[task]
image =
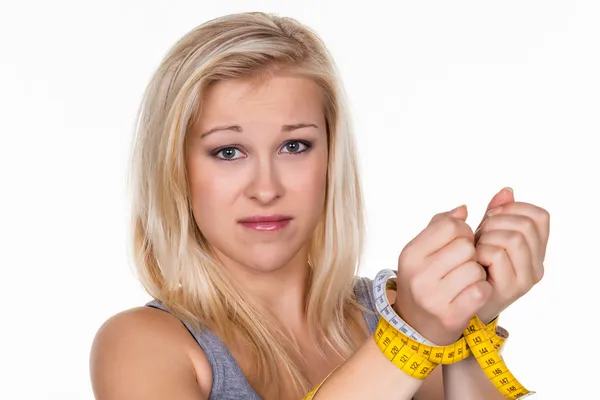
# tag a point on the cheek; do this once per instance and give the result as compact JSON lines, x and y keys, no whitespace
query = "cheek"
{"x":211,"y":193}
{"x":307,"y":186}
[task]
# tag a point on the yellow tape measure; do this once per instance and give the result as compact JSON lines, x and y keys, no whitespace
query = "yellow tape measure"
{"x":311,"y":394}
{"x":416,"y":356}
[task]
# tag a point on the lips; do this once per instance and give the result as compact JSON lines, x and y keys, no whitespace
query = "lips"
{"x":266,"y":223}
{"x":265,"y":218}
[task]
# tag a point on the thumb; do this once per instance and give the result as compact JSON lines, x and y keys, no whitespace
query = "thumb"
{"x":504,"y":196}
{"x":459,"y":212}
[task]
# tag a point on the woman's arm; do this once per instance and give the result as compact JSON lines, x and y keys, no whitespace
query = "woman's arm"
{"x":464,"y":380}
{"x":467,"y":381}
{"x":147,"y":354}
{"x":368,"y":375}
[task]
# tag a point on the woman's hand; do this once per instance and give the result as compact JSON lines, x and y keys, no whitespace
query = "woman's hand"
{"x":440,"y":285}
{"x":511,"y":243}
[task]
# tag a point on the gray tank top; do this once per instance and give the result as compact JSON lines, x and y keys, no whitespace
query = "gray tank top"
{"x":229,"y":383}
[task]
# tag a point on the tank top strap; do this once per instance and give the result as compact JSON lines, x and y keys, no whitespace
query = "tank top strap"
{"x":363,"y":289}
{"x":228,"y":381}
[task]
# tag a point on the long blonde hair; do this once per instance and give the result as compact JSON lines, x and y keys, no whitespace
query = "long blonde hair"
{"x":173,"y":260}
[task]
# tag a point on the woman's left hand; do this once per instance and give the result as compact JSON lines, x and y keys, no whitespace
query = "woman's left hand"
{"x":511,"y":242}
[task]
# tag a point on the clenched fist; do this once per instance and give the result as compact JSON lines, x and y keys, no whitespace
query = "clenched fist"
{"x":511,"y":243}
{"x":440,"y":284}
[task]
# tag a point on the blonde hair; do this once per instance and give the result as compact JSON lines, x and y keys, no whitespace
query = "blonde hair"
{"x":173,"y":260}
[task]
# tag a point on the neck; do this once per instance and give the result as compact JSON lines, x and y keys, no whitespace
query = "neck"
{"x":282,"y":291}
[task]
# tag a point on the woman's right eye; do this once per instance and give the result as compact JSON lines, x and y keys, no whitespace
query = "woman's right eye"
{"x":228,"y":153}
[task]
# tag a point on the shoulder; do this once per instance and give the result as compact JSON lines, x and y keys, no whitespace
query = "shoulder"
{"x":135,"y":345}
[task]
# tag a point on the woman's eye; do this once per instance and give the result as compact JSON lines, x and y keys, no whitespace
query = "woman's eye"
{"x":233,"y":153}
{"x":228,"y":153}
{"x":295,"y":146}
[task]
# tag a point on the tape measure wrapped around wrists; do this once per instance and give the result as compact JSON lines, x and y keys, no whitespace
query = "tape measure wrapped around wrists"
{"x":417,"y":356}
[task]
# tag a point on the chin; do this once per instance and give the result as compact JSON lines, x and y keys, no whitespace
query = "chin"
{"x":267,"y":260}
{"x":265,"y":257}
{"x":261,"y":253}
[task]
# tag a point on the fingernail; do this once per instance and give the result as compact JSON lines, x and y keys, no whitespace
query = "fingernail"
{"x":494,"y":211}
{"x":509,"y":189}
{"x":457,"y":208}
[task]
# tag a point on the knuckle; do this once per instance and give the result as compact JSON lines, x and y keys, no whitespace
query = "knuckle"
{"x":491,"y":252}
{"x":468,"y":270}
{"x":528,"y":226}
{"x":477,"y":292}
{"x":450,"y":225}
{"x":436,"y":218}
{"x":544,"y":216}
{"x":516,"y":239}
{"x":407,"y":257}
{"x":477,"y":271}
{"x":466,"y":247}
{"x":498,"y":254}
{"x":526,"y":223}
{"x":403,"y":257}
{"x":538,"y":274}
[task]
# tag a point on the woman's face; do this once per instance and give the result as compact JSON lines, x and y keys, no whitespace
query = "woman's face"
{"x":257,"y":167}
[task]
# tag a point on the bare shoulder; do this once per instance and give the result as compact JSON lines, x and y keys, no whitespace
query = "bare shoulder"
{"x":145,"y":353}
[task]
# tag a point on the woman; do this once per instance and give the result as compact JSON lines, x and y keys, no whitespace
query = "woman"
{"x":248,"y":228}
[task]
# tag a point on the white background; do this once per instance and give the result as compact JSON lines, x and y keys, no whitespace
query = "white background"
{"x":452,"y":100}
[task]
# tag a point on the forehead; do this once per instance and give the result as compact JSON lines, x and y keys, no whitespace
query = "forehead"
{"x":280,"y":99}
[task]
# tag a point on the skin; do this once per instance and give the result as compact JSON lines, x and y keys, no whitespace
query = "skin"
{"x":273,"y":171}
{"x":466,"y":273}
{"x":278,"y":166}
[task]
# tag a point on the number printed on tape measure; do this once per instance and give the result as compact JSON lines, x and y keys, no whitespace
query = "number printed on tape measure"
{"x":415,"y":355}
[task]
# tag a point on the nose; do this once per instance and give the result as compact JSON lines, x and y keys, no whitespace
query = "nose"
{"x":265,"y":185}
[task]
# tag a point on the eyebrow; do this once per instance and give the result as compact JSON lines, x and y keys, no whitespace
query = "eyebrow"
{"x":237,"y":128}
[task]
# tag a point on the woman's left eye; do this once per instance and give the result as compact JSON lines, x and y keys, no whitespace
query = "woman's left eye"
{"x":295,"y":147}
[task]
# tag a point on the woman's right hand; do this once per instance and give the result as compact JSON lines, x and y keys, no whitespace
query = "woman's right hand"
{"x":440,"y":286}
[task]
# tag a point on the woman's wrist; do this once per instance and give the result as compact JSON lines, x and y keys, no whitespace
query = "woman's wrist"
{"x":368,"y":374}
{"x":414,"y":353}
{"x":466,"y":380}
